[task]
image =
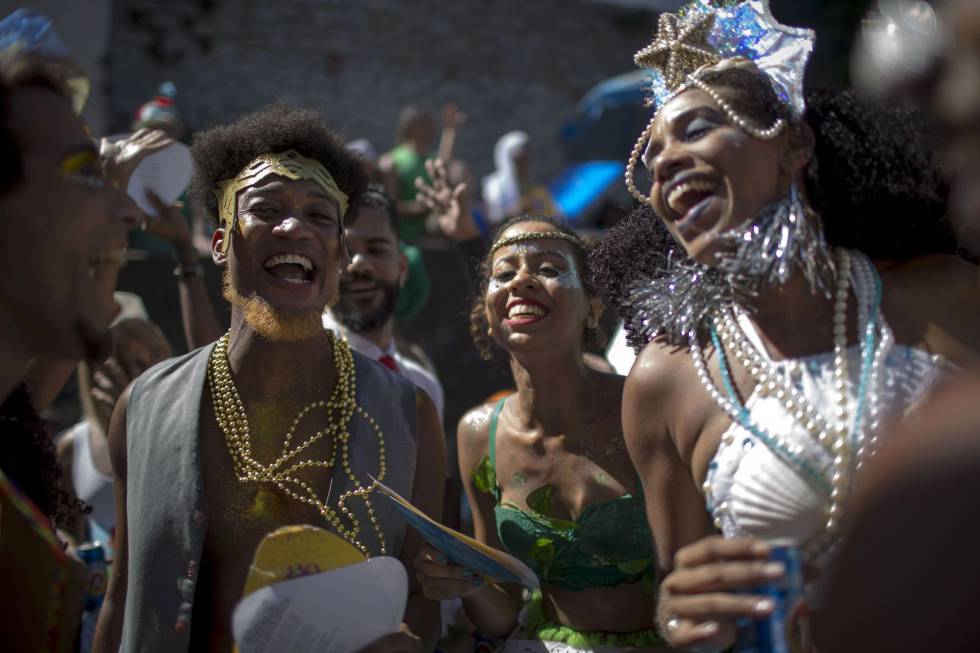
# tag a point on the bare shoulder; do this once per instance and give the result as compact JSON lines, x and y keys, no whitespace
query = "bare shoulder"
{"x":655,"y":373}
{"x":663,"y":403}
{"x":933,"y":302}
{"x":474,"y":425}
{"x":473,"y":434}
{"x":927,"y":274}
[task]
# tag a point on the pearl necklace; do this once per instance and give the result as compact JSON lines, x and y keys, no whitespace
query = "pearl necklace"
{"x":232,"y":419}
{"x":847,"y":445}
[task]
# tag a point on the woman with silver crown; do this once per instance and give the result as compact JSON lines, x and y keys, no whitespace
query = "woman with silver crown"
{"x":773,"y":356}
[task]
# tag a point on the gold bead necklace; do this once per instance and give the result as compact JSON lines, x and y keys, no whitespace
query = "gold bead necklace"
{"x":232,"y":419}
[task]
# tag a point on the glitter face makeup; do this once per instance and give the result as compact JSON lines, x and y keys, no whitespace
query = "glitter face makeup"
{"x":568,"y":278}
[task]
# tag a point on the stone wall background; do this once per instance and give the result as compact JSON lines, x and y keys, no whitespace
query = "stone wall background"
{"x":507,"y":63}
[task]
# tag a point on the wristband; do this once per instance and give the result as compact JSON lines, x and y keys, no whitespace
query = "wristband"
{"x":185,"y":272}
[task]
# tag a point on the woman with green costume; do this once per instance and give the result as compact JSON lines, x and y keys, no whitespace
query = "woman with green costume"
{"x":546,"y":470}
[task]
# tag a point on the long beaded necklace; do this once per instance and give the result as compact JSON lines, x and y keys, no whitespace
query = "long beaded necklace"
{"x":845,"y":439}
{"x":233,"y":421}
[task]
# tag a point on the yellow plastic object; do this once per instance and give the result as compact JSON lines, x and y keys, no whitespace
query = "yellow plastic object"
{"x":294,"y":551}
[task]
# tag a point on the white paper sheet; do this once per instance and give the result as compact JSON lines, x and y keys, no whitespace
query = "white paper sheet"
{"x":338,"y":611}
{"x":166,"y":173}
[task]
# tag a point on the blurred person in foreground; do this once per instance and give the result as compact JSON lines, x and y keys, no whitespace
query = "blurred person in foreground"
{"x":907,"y":577}
{"x":230,"y":442}
{"x":545,"y":469}
{"x":83,"y":450}
{"x":63,"y":222}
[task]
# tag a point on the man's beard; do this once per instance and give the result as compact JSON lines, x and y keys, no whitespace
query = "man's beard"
{"x":356,"y":321}
{"x":272,"y":324}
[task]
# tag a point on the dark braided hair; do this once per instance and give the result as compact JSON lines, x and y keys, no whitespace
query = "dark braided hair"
{"x":28,"y":459}
{"x":592,"y":338}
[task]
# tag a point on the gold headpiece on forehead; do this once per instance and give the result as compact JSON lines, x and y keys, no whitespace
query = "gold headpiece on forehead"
{"x":289,"y":164}
{"x":536,"y":235}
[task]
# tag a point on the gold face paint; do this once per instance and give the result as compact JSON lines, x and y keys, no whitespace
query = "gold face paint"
{"x":82,"y":167}
{"x":289,"y":164}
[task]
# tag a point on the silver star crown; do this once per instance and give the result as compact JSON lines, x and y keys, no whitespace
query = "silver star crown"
{"x":704,"y":33}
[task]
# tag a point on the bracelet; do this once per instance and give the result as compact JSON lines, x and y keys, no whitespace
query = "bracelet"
{"x":185,"y":272}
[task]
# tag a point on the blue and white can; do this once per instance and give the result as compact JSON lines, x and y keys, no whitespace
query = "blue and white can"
{"x":774,"y":634}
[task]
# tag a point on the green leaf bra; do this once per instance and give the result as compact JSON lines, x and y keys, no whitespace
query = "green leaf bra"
{"x":608,"y":544}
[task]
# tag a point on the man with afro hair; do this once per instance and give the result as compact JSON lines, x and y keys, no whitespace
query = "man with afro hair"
{"x":277,"y":423}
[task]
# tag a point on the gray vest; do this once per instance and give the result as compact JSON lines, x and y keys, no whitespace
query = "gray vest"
{"x":166,"y":508}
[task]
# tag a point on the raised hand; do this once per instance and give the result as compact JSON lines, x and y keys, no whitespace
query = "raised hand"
{"x":450,"y":204}
{"x":121,"y":158}
{"x":452,"y":117}
{"x":171,"y":226}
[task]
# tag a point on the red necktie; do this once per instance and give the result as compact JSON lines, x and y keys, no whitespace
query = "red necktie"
{"x":389,"y":362}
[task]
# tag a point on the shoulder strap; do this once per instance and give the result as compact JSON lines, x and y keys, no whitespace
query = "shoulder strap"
{"x":492,"y":445}
{"x":493,"y":433}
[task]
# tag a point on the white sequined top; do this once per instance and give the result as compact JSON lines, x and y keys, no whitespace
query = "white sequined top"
{"x":751,"y":492}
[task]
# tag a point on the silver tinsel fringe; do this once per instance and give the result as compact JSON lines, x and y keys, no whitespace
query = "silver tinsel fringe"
{"x":680,"y":297}
{"x":781,"y":238}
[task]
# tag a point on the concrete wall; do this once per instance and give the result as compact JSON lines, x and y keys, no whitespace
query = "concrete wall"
{"x":506,"y":63}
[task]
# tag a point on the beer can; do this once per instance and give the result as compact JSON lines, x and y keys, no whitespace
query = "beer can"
{"x":774,"y":634}
{"x":92,"y":556}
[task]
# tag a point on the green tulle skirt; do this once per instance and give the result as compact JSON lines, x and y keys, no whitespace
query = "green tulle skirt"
{"x":536,"y":625}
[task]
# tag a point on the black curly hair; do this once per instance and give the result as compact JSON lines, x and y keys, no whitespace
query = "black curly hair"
{"x":28,"y":459}
{"x":221,"y":152}
{"x":629,"y":251}
{"x":592,"y":338}
{"x":873,"y":179}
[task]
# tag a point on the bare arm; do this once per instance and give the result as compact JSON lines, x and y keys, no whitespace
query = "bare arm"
{"x":492,"y":607}
{"x":452,"y":117}
{"x":934,"y":302}
{"x":422,"y":613}
{"x":201,"y":325}
{"x":699,"y":571}
{"x":675,"y":506}
{"x":108,"y":632}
